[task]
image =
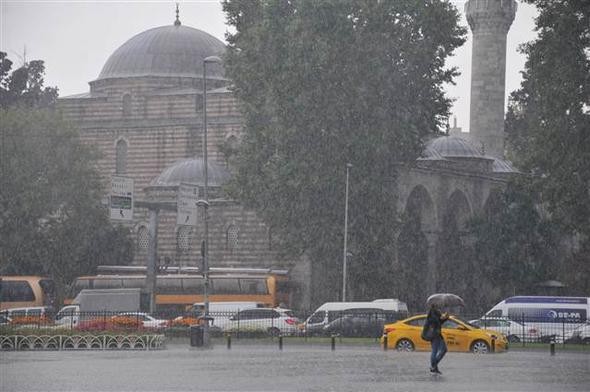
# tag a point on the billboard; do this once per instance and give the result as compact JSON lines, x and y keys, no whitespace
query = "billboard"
{"x":121,"y":200}
{"x":186,"y":210}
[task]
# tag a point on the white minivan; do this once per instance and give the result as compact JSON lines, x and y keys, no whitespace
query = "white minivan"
{"x":553,"y":317}
{"x":393,"y":309}
{"x":220,"y":312}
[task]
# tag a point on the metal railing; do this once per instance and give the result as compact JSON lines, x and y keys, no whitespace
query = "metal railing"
{"x":518,"y":330}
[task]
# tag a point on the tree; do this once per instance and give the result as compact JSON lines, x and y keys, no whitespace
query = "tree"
{"x":514,"y":247}
{"x":323,"y":84}
{"x":24,"y":87}
{"x":52,"y":221}
{"x":548,"y":120}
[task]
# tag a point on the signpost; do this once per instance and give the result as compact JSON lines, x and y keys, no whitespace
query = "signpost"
{"x":186,"y":214}
{"x":121,"y":198}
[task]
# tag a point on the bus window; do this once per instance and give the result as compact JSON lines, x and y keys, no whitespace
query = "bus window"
{"x":168,"y":285}
{"x":111,"y":283}
{"x":192,"y":285}
{"x":133,"y":283}
{"x":26,"y":291}
{"x":16,"y":291}
{"x":253,"y":286}
{"x":225,"y":286}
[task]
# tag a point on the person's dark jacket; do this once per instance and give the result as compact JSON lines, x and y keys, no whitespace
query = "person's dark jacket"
{"x":436,"y":319}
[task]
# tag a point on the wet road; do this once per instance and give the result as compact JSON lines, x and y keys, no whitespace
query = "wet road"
{"x":296,"y":368}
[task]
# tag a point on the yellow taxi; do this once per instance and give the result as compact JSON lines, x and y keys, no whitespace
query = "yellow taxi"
{"x":459,"y":335}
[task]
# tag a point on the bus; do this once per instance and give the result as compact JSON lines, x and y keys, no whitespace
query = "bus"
{"x":552,"y":317}
{"x":26,"y":291}
{"x":178,"y":289}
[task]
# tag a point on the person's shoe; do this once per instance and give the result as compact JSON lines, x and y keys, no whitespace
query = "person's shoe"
{"x":437,"y":371}
{"x":433,"y":370}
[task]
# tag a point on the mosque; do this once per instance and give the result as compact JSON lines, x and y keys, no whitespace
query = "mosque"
{"x":145,"y":113}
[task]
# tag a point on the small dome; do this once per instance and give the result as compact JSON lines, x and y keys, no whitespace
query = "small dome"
{"x":173,"y":50}
{"x":503,"y":166}
{"x":454,"y":147}
{"x":430,"y":154}
{"x":190,"y":171}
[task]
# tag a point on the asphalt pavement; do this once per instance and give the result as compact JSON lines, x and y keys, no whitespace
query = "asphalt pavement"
{"x":248,"y":367}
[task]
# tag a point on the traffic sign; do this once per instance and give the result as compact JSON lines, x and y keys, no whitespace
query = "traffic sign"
{"x":121,"y":199}
{"x":186,"y":213}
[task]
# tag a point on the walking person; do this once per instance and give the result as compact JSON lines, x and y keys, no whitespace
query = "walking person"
{"x":435,"y":321}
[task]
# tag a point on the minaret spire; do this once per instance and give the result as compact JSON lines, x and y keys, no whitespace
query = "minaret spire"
{"x":177,"y":21}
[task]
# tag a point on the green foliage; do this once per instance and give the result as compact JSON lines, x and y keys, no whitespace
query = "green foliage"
{"x":548,"y":123}
{"x":515,"y":248}
{"x":549,"y":116}
{"x":24,"y":87}
{"x":51,"y":218}
{"x":323,"y":84}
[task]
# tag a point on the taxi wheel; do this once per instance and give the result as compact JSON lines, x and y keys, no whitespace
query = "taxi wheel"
{"x":480,"y":347}
{"x":404,"y":345}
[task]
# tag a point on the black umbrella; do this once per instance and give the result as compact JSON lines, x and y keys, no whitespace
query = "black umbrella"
{"x":445,"y":299}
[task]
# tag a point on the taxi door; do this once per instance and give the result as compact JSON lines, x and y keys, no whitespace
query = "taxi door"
{"x":456,"y":336}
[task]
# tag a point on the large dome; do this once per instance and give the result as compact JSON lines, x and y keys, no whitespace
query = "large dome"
{"x":174,"y":50}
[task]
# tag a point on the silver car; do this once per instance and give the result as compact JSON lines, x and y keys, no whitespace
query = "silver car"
{"x":514,"y":331}
{"x":273,"y":321}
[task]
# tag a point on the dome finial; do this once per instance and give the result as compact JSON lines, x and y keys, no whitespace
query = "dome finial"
{"x":177,"y":21}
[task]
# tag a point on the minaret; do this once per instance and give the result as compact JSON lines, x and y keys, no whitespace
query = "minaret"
{"x":490,"y":21}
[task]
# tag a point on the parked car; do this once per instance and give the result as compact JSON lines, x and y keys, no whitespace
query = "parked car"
{"x":580,"y":335}
{"x":514,"y":331}
{"x":273,"y":321}
{"x":358,"y":325}
{"x":4,"y":319}
{"x":459,"y":335}
{"x":145,"y":319}
{"x":33,"y":315}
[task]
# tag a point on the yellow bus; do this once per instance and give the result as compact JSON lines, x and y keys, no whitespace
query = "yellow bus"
{"x":179,"y":291}
{"x":26,"y":291}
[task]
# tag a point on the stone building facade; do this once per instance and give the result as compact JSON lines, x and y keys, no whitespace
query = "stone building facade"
{"x":144,"y":112}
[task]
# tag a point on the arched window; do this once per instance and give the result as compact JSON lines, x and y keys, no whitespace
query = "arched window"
{"x":183,"y":238}
{"x":121,"y":164}
{"x":231,"y":237}
{"x":143,"y":237}
{"x":126,"y":105}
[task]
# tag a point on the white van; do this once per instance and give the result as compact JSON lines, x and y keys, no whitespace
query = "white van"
{"x":553,"y":317}
{"x":220,"y":312}
{"x":393,"y":309}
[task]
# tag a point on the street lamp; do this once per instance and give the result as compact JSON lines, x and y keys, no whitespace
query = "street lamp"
{"x":345,"y":255}
{"x":205,"y":250}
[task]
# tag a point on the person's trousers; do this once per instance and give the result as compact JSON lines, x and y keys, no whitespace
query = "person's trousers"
{"x":439,"y":349}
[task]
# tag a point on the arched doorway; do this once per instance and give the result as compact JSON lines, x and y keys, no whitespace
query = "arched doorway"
{"x":412,"y":248}
{"x":454,"y":266}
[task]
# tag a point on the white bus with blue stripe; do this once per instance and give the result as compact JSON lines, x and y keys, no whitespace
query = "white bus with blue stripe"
{"x":554,"y":317}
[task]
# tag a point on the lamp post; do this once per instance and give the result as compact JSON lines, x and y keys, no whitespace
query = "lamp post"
{"x":345,"y":255}
{"x":205,"y":250}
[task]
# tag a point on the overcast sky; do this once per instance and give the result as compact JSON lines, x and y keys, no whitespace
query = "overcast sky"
{"x":75,"y":38}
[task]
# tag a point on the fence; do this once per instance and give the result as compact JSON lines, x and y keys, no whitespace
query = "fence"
{"x":260,"y":322}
